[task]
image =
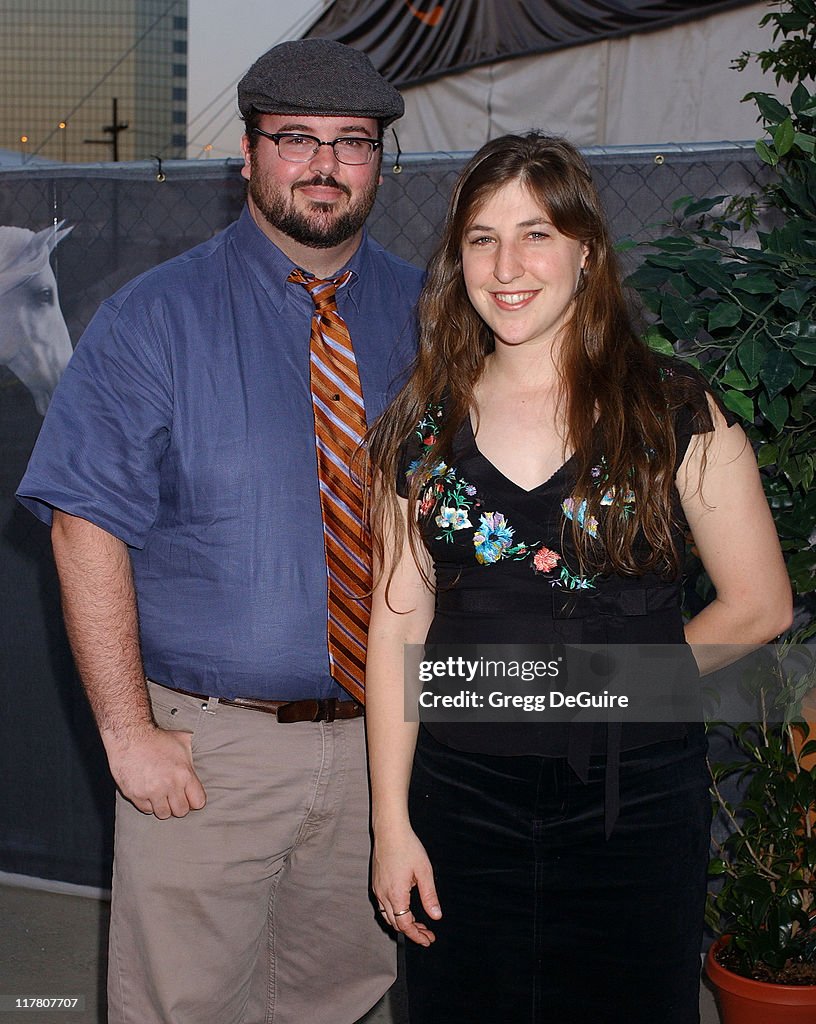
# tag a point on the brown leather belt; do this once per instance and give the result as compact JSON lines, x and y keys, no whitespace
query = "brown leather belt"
{"x":318,"y":709}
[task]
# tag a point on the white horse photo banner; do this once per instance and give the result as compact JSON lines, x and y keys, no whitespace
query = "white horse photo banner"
{"x":34,"y":340}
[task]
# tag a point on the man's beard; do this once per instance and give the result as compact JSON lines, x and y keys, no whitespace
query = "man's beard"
{"x":319,"y":227}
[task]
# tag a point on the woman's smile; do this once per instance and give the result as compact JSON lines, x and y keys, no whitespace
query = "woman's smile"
{"x":520,"y":271}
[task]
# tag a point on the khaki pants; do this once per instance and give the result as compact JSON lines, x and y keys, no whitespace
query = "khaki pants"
{"x":255,"y":909}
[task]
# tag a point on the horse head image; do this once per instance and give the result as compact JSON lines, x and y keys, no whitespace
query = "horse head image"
{"x":34,"y":341}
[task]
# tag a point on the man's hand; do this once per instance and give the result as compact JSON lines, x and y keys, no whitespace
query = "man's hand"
{"x":153,"y":768}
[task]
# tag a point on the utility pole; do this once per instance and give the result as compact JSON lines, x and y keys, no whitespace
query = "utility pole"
{"x":113,"y":130}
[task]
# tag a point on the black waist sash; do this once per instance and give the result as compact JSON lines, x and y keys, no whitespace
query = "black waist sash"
{"x":596,"y":607}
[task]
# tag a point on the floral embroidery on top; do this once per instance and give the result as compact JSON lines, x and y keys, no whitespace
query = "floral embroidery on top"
{"x":545,"y":560}
{"x":494,"y":540}
{"x":575,"y":508}
{"x":427,"y":431}
{"x":453,"y":496}
{"x":578,"y":513}
{"x":454,"y":499}
{"x":453,"y":519}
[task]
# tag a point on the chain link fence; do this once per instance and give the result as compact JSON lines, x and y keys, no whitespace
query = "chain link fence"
{"x":55,"y":819}
{"x":125,"y":220}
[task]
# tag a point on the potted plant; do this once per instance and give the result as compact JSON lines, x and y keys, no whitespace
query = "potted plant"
{"x":764,"y":964}
{"x":746,"y":316}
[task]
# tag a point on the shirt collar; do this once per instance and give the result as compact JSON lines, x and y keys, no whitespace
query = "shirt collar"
{"x":271,"y":266}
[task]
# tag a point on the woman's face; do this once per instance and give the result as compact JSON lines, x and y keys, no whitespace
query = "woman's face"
{"x":520,"y":272}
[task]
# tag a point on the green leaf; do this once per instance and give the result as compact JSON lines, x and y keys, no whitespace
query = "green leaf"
{"x":670,"y":260}
{"x":755,"y":284}
{"x":683,"y":286}
{"x":797,"y":20}
{"x":801,"y":377}
{"x":778,"y":370}
{"x":765,"y":153}
{"x":679,"y":317}
{"x":800,"y":195}
{"x":756,"y":258}
{"x":802,"y":330}
{"x":807,"y":143}
{"x":703,"y":205}
{"x":769,"y":106}
{"x":625,"y":244}
{"x":804,"y":334}
{"x":800,"y":98}
{"x":736,"y":379}
{"x":674,"y":244}
{"x":648,"y":277}
{"x":783,"y":137}
{"x":767,"y":454}
{"x":708,"y":275}
{"x":776,"y":411}
{"x":651,"y":300}
{"x":802,"y":571}
{"x":805,"y":352}
{"x":799,"y":472}
{"x":751,"y":355}
{"x":710,"y":235}
{"x":658,"y":343}
{"x":724,"y":314}
{"x":741,"y":404}
{"x":793,"y":298}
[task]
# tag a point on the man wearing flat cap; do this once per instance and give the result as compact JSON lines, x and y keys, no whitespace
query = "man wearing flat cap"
{"x":207,"y":529}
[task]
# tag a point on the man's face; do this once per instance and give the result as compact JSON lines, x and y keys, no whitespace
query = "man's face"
{"x":321,"y":203}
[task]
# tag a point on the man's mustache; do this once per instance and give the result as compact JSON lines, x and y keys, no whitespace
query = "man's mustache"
{"x":327,"y":182}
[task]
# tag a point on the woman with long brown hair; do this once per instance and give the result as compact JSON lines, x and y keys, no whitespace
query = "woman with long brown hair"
{"x":533,"y":483}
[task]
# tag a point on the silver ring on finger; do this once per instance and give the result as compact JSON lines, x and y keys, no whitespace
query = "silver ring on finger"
{"x":400,"y":913}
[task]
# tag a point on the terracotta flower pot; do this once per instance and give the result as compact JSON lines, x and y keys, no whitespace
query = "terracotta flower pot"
{"x":745,"y":1001}
{"x":801,"y":735}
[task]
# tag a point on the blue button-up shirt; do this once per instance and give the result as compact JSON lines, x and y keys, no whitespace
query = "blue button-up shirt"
{"x":183,"y":425}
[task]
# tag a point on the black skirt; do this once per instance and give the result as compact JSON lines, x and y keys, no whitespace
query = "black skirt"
{"x":545,"y":920}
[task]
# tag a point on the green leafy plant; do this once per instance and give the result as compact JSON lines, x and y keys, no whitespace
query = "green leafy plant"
{"x":745,"y":314}
{"x":767,"y":861}
{"x":795,"y":56}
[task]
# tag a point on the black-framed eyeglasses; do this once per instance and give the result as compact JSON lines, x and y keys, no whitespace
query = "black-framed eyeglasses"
{"x":299,"y":149}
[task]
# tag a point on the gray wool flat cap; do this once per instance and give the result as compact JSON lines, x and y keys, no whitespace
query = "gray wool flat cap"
{"x":320,"y":77}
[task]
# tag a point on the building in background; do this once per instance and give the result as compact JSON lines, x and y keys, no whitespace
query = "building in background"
{"x":63,"y":63}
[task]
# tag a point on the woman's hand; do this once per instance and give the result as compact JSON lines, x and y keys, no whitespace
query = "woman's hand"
{"x":400,"y":863}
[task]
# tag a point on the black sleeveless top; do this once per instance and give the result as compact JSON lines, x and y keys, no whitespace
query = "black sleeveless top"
{"x":506,"y":573}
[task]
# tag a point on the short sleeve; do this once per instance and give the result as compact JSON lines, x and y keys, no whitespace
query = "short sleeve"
{"x":409,"y":457}
{"x":688,"y":393}
{"x":99,"y":451}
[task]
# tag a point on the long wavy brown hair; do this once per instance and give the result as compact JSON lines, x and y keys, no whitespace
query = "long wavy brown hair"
{"x":612,"y":396}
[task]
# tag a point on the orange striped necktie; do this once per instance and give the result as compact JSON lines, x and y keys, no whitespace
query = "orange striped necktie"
{"x":340,"y":423}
